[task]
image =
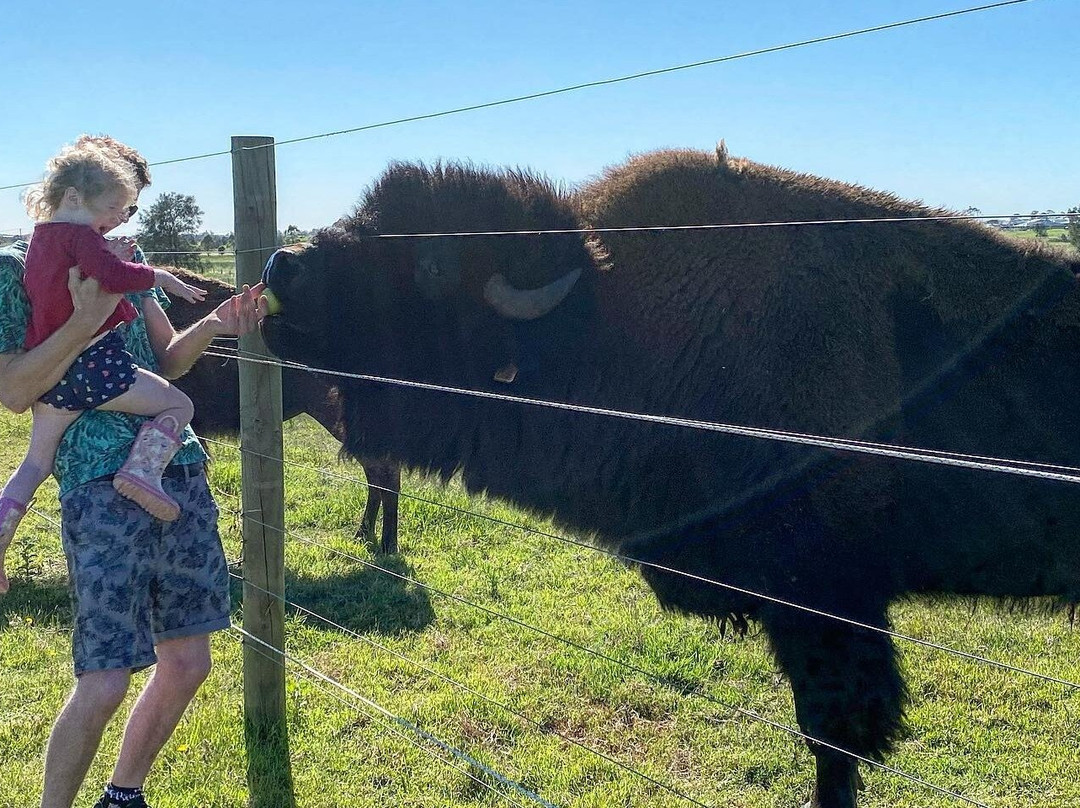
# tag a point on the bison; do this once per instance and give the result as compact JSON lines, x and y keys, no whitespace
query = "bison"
{"x":213,"y":385}
{"x":936,"y":334}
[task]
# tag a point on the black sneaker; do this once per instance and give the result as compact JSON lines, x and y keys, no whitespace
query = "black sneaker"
{"x":108,"y":802}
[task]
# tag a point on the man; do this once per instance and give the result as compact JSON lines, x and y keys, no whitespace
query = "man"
{"x":144,"y":592}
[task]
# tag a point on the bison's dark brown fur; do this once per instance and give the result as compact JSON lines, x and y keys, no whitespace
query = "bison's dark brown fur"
{"x":213,"y":385}
{"x":931,"y":334}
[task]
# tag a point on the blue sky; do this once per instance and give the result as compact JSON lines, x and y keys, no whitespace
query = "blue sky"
{"x":978,"y":110}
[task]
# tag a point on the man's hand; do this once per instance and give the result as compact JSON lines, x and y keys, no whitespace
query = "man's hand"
{"x":176,"y":353}
{"x":92,"y":305}
{"x":242,"y":312}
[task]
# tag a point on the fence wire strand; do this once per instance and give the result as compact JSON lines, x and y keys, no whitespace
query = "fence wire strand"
{"x":1068,"y":474}
{"x":944,"y":217}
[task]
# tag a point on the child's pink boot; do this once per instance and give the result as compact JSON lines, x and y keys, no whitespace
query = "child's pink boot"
{"x":139,"y":479}
{"x":11,"y":513}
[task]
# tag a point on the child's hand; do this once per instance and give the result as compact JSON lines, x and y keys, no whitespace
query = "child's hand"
{"x":123,"y":247}
{"x":172,"y":285}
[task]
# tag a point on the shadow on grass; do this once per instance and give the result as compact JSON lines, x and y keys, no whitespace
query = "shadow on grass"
{"x":43,"y":600}
{"x":367,"y":600}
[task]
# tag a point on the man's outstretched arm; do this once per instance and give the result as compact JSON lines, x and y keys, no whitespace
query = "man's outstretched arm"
{"x":176,"y":353}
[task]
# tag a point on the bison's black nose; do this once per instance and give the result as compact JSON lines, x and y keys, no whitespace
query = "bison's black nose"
{"x":281,"y":272}
{"x":272,"y":272}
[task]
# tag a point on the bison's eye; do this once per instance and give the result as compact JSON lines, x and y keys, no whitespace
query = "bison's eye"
{"x":436,"y":270}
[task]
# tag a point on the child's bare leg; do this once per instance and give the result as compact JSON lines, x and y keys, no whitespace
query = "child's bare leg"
{"x":152,"y":395}
{"x":49,"y":426}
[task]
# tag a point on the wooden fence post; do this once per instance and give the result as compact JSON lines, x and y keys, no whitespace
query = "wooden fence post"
{"x":255,"y":229}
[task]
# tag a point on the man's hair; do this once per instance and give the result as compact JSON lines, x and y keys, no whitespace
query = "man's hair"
{"x":123,"y":151}
{"x":86,"y":167}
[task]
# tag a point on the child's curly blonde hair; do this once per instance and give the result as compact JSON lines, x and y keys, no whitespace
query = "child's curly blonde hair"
{"x":86,"y":167}
{"x":121,"y":150}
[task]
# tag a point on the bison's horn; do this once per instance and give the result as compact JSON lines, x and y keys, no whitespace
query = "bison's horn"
{"x":527,"y":304}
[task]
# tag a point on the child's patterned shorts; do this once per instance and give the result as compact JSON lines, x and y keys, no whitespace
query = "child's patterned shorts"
{"x":101,"y":373}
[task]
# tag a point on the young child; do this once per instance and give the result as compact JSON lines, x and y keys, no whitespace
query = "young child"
{"x":87,"y":192}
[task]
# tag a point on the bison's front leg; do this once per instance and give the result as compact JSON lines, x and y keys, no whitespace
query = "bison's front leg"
{"x":391,"y":484}
{"x":848,"y":693}
{"x":384,"y":483}
{"x":836,"y":781}
{"x":366,"y":531}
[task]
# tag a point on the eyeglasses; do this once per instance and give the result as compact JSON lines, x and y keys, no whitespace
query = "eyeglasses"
{"x":131,"y":210}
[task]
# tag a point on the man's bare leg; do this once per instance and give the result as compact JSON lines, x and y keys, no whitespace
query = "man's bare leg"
{"x":183,"y":665}
{"x":77,"y":732}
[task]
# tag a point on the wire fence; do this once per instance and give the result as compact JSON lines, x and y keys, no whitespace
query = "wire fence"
{"x":1010,"y":466}
{"x":335,"y":477}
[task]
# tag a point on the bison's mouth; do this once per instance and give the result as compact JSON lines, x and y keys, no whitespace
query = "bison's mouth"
{"x":291,"y":342}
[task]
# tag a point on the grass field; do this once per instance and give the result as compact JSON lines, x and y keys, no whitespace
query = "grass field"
{"x":222,"y":267}
{"x":1000,"y":738}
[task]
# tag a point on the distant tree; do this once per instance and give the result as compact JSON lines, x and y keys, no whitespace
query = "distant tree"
{"x":293,"y":235}
{"x":1039,"y":225}
{"x":168,"y":227}
{"x":1073,"y":228}
{"x":972,"y":211}
{"x":211,"y":241}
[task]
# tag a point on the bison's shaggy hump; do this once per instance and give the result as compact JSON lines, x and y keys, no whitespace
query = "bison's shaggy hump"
{"x":853,"y":317}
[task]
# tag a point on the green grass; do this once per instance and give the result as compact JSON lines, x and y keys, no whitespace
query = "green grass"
{"x":1052,"y":234}
{"x":1057,"y":237}
{"x":222,"y":267}
{"x":1000,"y":738}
